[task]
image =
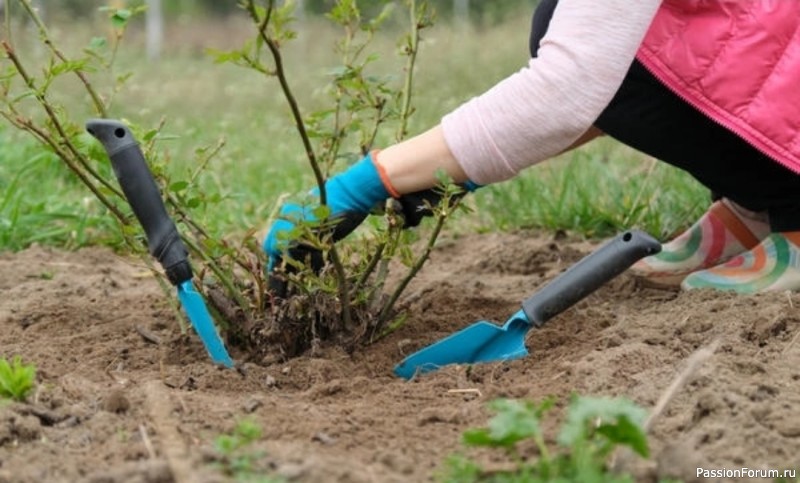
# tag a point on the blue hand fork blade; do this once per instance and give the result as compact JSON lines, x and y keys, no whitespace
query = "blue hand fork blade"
{"x":487,"y":342}
{"x":203,"y":324}
{"x":163,"y":239}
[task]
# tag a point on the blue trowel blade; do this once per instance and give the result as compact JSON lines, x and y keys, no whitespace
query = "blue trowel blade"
{"x":196,"y":309}
{"x":480,"y":342}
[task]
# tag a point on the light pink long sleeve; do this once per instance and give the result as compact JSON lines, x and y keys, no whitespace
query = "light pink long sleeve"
{"x":542,"y":109}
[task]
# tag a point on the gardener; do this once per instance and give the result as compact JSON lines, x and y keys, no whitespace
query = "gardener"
{"x":712,"y":87}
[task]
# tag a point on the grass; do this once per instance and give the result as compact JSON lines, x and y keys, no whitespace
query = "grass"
{"x":598,"y":190}
{"x":41,"y":203}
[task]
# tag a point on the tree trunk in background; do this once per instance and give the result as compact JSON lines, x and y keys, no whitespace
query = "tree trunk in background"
{"x":155,"y":29}
{"x":461,"y":10}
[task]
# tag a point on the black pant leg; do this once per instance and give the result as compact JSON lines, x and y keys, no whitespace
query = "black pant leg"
{"x":647,"y":116}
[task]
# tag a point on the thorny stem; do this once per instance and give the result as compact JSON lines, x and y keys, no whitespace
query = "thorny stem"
{"x":109,"y":65}
{"x":373,"y":262}
{"x":98,"y":103}
{"x":333,"y":149}
{"x":349,"y":57}
{"x":280,"y":73}
{"x":379,"y":119}
{"x":335,"y":145}
{"x":207,"y":159}
{"x":390,"y":245}
{"x":383,"y":269}
{"x":378,"y":259}
{"x":152,"y":143}
{"x":413,"y":48}
{"x":253,"y":270}
{"x":440,"y":219}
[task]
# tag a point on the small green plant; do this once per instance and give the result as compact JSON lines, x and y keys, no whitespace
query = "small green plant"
{"x":594,"y":428}
{"x":16,"y":378}
{"x":237,"y":457}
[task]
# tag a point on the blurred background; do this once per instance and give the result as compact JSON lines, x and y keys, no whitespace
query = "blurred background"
{"x":165,"y":18}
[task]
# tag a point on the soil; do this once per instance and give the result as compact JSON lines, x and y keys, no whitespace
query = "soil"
{"x":123,"y":396}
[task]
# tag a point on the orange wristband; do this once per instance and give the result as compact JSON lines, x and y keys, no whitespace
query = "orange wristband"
{"x":382,"y":174}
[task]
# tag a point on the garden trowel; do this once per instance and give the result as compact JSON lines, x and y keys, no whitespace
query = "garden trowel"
{"x":487,"y":342}
{"x":163,"y":239}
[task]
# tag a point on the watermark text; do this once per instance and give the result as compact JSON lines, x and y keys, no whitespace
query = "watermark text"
{"x":744,"y":472}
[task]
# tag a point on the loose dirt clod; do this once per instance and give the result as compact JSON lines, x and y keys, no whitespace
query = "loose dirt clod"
{"x":116,"y":402}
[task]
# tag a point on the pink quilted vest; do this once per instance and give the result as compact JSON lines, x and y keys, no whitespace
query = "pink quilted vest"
{"x":737,"y":61}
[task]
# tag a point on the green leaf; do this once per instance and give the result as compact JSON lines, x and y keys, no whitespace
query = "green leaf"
{"x":68,"y":66}
{"x":222,"y":57}
{"x":149,"y":135}
{"x":178,"y":186}
{"x":261,"y":12}
{"x":321,"y":212}
{"x":626,"y":433}
{"x":620,"y":419}
{"x":345,"y":12}
{"x":120,"y":17}
{"x":514,"y":422}
{"x":478,"y":437}
{"x":98,"y":43}
{"x":225,"y":444}
{"x":248,"y":430}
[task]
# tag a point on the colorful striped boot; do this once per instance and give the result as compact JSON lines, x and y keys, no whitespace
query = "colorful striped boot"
{"x":773,"y":265}
{"x":715,"y":238}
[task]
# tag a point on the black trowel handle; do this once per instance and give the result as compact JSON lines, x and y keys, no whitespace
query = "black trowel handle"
{"x":586,"y":276}
{"x":143,"y":195}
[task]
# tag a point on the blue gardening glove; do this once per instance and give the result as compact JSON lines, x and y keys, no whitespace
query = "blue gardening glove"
{"x":416,"y":206}
{"x":351,"y":195}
